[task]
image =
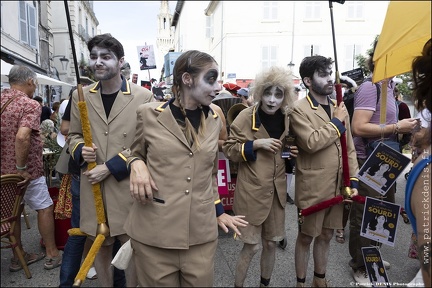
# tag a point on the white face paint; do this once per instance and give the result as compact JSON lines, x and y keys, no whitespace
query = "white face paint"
{"x":104,"y":63}
{"x":205,"y":87}
{"x":272,"y":99}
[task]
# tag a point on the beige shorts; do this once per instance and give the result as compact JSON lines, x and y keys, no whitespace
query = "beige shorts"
{"x":272,"y":229}
{"x":330,"y":218}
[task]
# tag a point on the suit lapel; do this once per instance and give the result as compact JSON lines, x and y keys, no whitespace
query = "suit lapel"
{"x":95,"y":100}
{"x":167,"y":120}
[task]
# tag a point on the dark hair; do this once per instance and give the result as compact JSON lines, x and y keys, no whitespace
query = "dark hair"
{"x":108,"y":42}
{"x":421,"y":68}
{"x":370,"y":62}
{"x":311,"y":64}
{"x":38,"y":99}
{"x":55,"y":106}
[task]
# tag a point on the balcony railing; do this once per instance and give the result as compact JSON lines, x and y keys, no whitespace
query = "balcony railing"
{"x":83,"y":33}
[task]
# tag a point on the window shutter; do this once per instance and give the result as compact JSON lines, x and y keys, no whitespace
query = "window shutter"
{"x":32,"y":26}
{"x":23,"y":21}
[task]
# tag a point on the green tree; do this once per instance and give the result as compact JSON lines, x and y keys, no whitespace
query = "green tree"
{"x":403,"y":87}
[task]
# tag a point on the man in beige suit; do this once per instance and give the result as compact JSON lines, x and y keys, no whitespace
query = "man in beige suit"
{"x":318,"y":125}
{"x":111,"y":105}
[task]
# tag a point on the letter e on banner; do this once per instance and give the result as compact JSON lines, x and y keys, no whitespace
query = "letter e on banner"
{"x":222,"y":178}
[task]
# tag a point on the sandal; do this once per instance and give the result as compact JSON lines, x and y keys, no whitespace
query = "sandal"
{"x":340,"y":236}
{"x":30,"y":258}
{"x":54,"y":262}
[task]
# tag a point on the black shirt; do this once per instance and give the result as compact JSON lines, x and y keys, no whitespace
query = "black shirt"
{"x":108,"y":101}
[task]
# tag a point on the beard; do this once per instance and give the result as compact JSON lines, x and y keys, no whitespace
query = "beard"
{"x":104,"y":75}
{"x":321,"y":90}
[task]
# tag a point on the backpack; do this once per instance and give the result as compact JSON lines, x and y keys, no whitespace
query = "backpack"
{"x":365,"y":140}
{"x":348,"y":98}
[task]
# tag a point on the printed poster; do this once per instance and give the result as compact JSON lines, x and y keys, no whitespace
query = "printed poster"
{"x":380,"y":219}
{"x":382,"y":168}
{"x":146,"y":57}
{"x":375,"y":267}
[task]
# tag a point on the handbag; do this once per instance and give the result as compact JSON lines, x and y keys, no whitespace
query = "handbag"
{"x":412,"y":248}
{"x":62,"y":165}
{"x":123,"y":256}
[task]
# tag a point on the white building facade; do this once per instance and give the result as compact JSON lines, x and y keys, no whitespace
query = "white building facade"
{"x":245,"y":37}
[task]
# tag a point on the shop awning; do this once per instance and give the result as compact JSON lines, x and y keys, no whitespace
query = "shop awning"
{"x":42,"y":79}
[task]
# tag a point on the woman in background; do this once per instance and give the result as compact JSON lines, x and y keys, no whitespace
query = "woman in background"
{"x":419,"y":179}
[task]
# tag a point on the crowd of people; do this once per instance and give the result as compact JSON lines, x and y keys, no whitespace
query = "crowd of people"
{"x":157,"y":164}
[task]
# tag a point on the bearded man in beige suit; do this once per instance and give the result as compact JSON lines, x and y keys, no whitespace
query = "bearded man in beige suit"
{"x":318,"y":124}
{"x":111,"y":104}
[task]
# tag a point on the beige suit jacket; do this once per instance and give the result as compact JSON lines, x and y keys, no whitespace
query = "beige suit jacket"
{"x":258,"y":180}
{"x":111,"y":135}
{"x":185,"y":176}
{"x":319,"y":162}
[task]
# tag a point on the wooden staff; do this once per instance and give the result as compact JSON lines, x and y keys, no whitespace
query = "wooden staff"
{"x":346,"y":190}
{"x":102,"y":229}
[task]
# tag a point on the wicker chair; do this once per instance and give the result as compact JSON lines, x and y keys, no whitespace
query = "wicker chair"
{"x":11,"y":198}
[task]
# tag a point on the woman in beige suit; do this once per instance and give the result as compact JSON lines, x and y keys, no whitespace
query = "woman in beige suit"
{"x":174,"y":162}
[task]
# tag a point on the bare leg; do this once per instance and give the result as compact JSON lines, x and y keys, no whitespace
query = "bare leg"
{"x":103,"y":266}
{"x":268,"y":257}
{"x":302,"y":254}
{"x":321,"y":250}
{"x":245,"y":257}
{"x":46,"y":229}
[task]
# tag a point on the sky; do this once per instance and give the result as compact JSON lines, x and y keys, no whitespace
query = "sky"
{"x":133,"y":23}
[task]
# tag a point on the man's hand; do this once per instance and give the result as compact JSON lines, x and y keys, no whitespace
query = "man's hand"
{"x":293,"y":151}
{"x":225,"y":220}
{"x":89,"y":153}
{"x":354,"y":193}
{"x":269,"y":144}
{"x":27,"y":178}
{"x":341,"y":112}
{"x":141,"y":182}
{"x":97,"y":174}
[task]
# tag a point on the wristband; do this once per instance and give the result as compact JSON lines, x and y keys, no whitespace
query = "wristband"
{"x":21,"y":168}
{"x":397,"y":128}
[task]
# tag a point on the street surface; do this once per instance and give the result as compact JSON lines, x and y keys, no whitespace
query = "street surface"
{"x":403,"y":269}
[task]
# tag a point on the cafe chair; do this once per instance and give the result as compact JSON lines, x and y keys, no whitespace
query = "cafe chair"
{"x":11,"y":199}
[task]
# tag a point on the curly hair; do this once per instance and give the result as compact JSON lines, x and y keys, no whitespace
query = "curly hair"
{"x":421,"y":69}
{"x":275,"y":76}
